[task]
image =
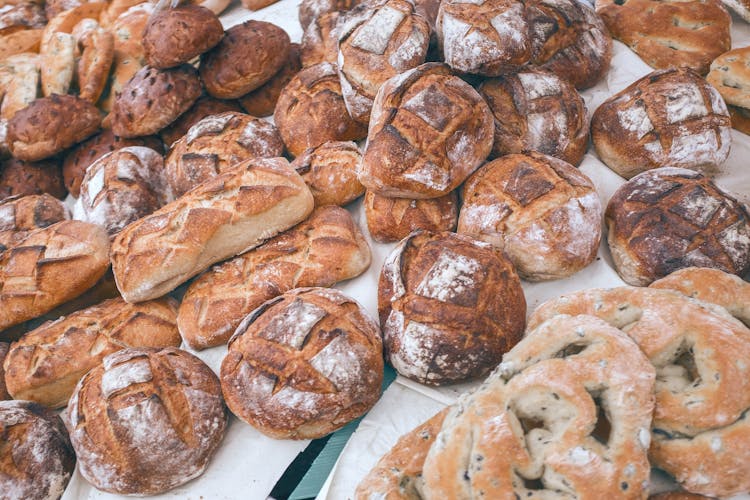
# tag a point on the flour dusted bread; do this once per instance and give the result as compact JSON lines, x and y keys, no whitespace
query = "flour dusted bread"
{"x":668,"y":118}
{"x":215,"y":144}
{"x":535,"y":110}
{"x":303,"y":365}
{"x":320,"y":40}
{"x":39,"y":460}
{"x":450,"y":307}
{"x":309,"y":10}
{"x":429,"y":131}
{"x":19,"y":215}
{"x":330,"y":171}
{"x":50,"y":266}
{"x":543,"y":212}
{"x":393,"y":219}
{"x":729,"y":74}
{"x":203,"y":107}
{"x":667,"y":219}
{"x":741,"y":7}
{"x":161,"y":409}
{"x":46,"y":363}
{"x":223,"y":217}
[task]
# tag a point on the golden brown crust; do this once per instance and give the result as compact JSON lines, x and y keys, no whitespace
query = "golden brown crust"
{"x":678,"y":495}
{"x":21,"y":80}
{"x":311,"y":111}
{"x":21,"y":16}
{"x":668,"y":118}
{"x":543,"y":212}
{"x":175,"y":36}
{"x":740,"y":119}
{"x":19,"y":42}
{"x":39,"y":460}
{"x":51,"y":124}
{"x":20,"y":215}
{"x":152,"y":99}
{"x":330,"y":171}
{"x":257,"y":4}
{"x":46,"y":363}
{"x":96,"y":60}
{"x":215,"y":144}
{"x":730,"y":75}
{"x":535,"y":110}
{"x":700,"y":426}
{"x":326,"y":248}
{"x":51,"y":266}
{"x":393,"y":219}
{"x":223,"y":217}
{"x":309,"y":10}
{"x":3,"y":389}
{"x":262,"y":101}
{"x":320,"y":40}
{"x":146,"y":420}
{"x":667,"y":219}
{"x":203,"y":107}
{"x":450,"y":307}
{"x":303,"y":365}
{"x":24,"y":178}
{"x":672,"y":33}
{"x":247,"y":57}
{"x":429,"y":131}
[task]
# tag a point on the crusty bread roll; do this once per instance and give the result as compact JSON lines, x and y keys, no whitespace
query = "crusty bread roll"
{"x":326,"y":248}
{"x":330,"y":171}
{"x":543,"y":212}
{"x":730,"y":75}
{"x":161,"y":410}
{"x":309,"y":10}
{"x":203,"y":107}
{"x":223,"y":217}
{"x":393,"y":219}
{"x":51,"y":266}
{"x":22,"y":178}
{"x":46,"y":363}
{"x":121,"y":187}
{"x":20,"y":215}
{"x":678,"y":495}
{"x":303,"y":365}
{"x":535,"y":110}
{"x":262,"y":101}
{"x":429,"y":131}
{"x":670,"y":218}
{"x":215,"y":144}
{"x":320,"y":40}
{"x":668,"y":118}
{"x":450,"y":306}
{"x":39,"y":459}
{"x":740,"y":7}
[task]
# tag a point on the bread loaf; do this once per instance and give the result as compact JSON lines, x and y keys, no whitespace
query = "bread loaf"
{"x":51,"y":266}
{"x":393,"y":219}
{"x":729,"y":74}
{"x":330,"y":171}
{"x":320,"y":41}
{"x":326,"y":248}
{"x":309,"y":10}
{"x":669,"y":218}
{"x":223,"y":217}
{"x":740,"y":7}
{"x":262,"y":101}
{"x":4,"y":346}
{"x":39,"y":460}
{"x":161,"y":410}
{"x":215,"y":144}
{"x":20,"y":215}
{"x":22,"y":178}
{"x":303,"y":365}
{"x":46,"y":363}
{"x":429,"y":131}
{"x":450,"y":307}
{"x":203,"y":107}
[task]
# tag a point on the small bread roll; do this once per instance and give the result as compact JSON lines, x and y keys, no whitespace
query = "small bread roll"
{"x":303,"y":365}
{"x":330,"y":171}
{"x":161,"y":410}
{"x":203,"y":107}
{"x":19,"y":215}
{"x":393,"y":219}
{"x":262,"y":101}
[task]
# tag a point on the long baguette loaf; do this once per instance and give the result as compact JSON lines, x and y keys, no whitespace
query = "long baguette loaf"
{"x":325,"y":249}
{"x":51,"y":266}
{"x":222,"y":217}
{"x":45,"y":364}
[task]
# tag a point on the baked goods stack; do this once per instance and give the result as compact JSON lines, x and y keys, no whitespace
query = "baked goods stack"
{"x":215,"y":170}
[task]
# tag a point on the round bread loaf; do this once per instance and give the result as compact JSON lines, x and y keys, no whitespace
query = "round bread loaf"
{"x":375,"y":45}
{"x":38,"y":459}
{"x":669,"y":218}
{"x":3,"y":388}
{"x":49,"y":125}
{"x":303,"y":365}
{"x":175,"y":36}
{"x":247,"y":57}
{"x":535,"y":110}
{"x":78,"y":159}
{"x":671,"y":33}
{"x":330,"y":171}
{"x":153,"y":99}
{"x":121,"y":187}
{"x":320,"y":41}
{"x":262,"y":101}
{"x":544,"y":213}
{"x":450,"y":307}
{"x":730,"y":75}
{"x":309,"y":10}
{"x":161,"y":410}
{"x":203,"y":107}
{"x":668,"y":118}
{"x":20,"y":215}
{"x":215,"y":144}
{"x":311,"y":111}
{"x":429,"y":131}
{"x":21,"y":178}
{"x":393,"y":219}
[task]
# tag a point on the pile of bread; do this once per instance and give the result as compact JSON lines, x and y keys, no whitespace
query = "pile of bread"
{"x":191,"y":225}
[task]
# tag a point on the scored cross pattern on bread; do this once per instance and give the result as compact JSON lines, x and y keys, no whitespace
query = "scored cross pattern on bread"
{"x":21,"y":214}
{"x":393,"y":219}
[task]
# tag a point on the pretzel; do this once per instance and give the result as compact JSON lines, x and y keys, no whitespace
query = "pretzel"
{"x":701,"y":432}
